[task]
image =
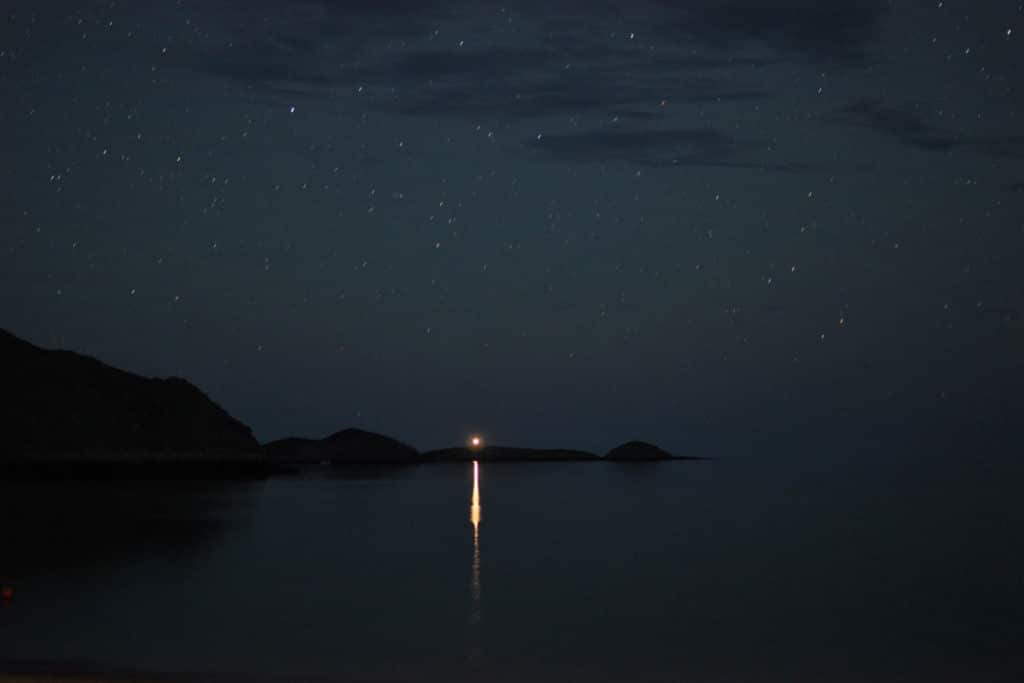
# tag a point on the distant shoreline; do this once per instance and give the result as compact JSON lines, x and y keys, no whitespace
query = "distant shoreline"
{"x":76,"y":417}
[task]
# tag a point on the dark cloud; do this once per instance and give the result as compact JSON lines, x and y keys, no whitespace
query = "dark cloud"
{"x":638,"y":115}
{"x":505,"y":81}
{"x":695,"y":54}
{"x":835,"y":31}
{"x":689,"y":61}
{"x":567,"y":93}
{"x":304,"y":43}
{"x":687,"y":146}
{"x":497,"y":62}
{"x":320,"y":45}
{"x":659,"y":148}
{"x":910,"y":127}
{"x":316,"y":20}
{"x":906,"y":126}
{"x":831,"y":31}
{"x":265,"y":71}
{"x":1011,"y":146}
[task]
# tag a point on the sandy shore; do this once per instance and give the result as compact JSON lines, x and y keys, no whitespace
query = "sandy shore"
{"x":62,"y":677}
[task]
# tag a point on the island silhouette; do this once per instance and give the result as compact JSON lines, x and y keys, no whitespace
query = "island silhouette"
{"x":71,"y":414}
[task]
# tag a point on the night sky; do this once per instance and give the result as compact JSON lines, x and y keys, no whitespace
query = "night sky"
{"x":699,"y":222}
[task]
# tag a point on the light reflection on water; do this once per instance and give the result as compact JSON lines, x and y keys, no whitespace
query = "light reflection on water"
{"x":476,"y":615}
{"x":707,"y":572}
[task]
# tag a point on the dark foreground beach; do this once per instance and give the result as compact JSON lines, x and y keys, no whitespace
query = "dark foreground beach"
{"x":68,"y":678}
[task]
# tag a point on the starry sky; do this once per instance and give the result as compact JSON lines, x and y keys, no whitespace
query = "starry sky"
{"x":705,"y":223}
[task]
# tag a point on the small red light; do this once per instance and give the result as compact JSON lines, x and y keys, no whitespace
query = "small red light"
{"x":7,"y":592}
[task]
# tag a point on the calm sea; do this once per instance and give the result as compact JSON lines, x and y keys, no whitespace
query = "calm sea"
{"x":816,"y":567}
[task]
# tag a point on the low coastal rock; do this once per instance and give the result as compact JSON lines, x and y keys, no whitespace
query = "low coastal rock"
{"x":635,"y":451}
{"x":506,"y":454}
{"x":66,"y":407}
{"x":349,"y":446}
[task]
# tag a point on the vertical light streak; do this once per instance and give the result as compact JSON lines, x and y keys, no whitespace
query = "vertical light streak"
{"x":474,"y":518}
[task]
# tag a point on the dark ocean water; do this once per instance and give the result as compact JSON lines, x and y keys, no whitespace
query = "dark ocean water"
{"x":823,"y":567}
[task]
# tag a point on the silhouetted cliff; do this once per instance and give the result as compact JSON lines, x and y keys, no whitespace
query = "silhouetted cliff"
{"x":62,"y":406}
{"x":349,"y":446}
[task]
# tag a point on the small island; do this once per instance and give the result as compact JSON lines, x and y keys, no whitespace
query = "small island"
{"x":347,"y":447}
{"x":636,"y":451}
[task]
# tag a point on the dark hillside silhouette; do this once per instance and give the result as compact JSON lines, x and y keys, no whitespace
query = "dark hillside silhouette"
{"x":64,"y":406}
{"x":349,"y":446}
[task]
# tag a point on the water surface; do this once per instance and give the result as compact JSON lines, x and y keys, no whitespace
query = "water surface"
{"x":856,"y":568}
